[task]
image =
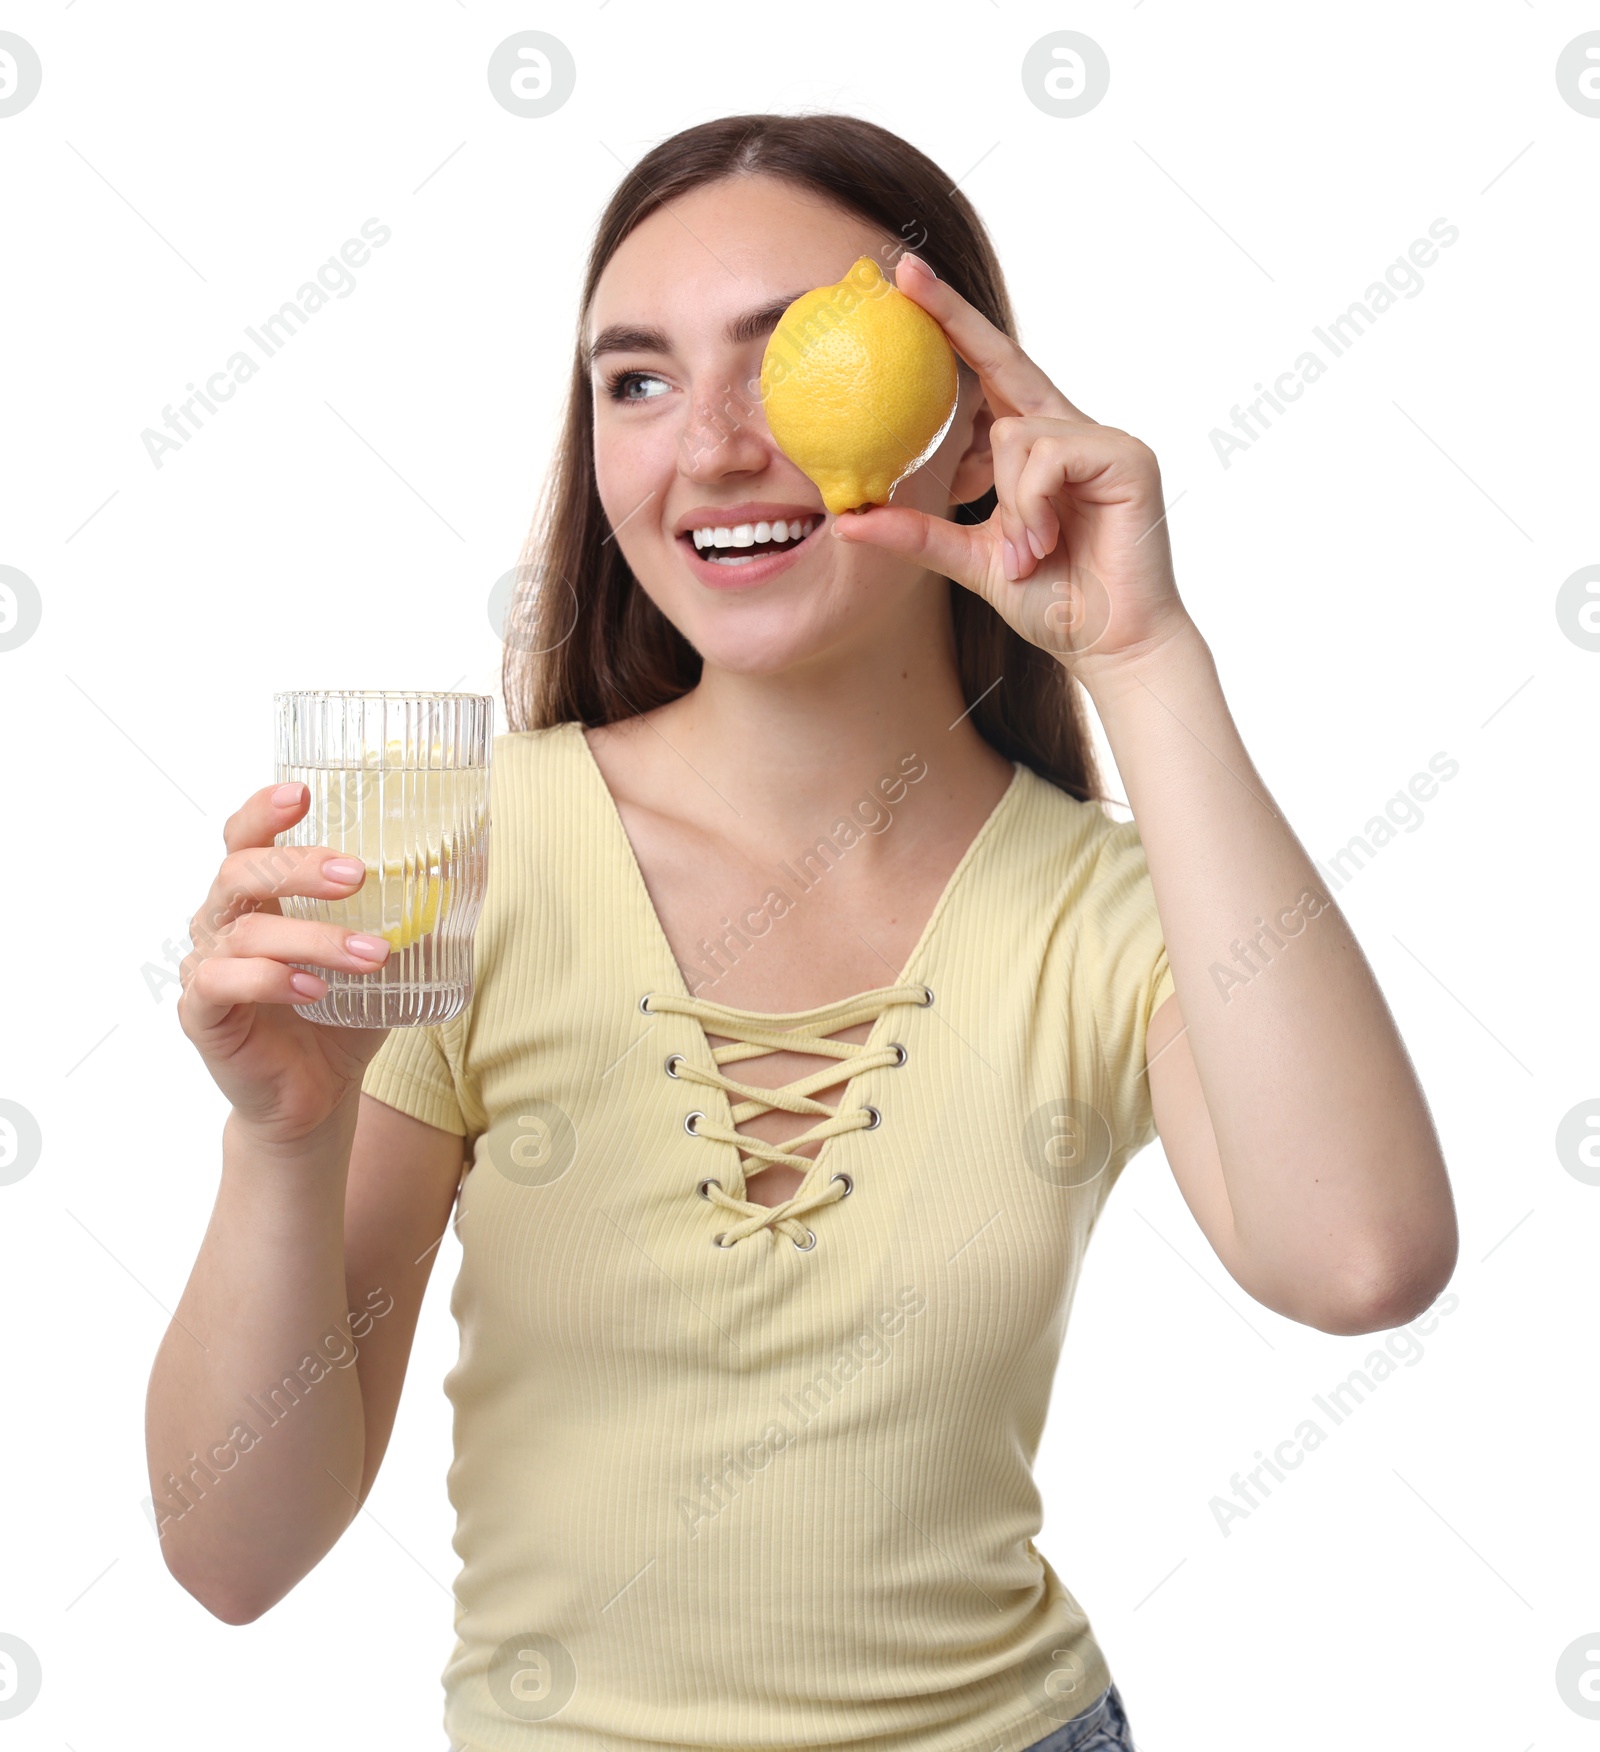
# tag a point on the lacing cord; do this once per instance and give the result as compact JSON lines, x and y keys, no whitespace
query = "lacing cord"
{"x":750,"y":1039}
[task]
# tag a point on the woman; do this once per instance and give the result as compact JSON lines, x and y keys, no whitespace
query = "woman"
{"x":819,"y":1006}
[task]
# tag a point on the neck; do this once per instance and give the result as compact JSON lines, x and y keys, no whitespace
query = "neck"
{"x":868,"y":735}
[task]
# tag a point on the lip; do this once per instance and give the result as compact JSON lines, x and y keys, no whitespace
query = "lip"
{"x":752,"y":572}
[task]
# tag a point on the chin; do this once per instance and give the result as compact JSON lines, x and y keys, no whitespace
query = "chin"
{"x":764,"y":640}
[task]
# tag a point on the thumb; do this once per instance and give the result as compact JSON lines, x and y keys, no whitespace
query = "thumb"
{"x":955,"y":550}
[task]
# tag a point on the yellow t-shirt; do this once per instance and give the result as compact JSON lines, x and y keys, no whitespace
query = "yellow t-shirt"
{"x":773,"y":1493}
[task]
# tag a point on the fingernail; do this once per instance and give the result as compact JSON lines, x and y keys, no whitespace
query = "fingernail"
{"x":368,"y":948}
{"x":287,"y":794}
{"x":1011,"y":562}
{"x":919,"y":264}
{"x":344,"y":869}
{"x":307,"y":984}
{"x":1037,"y":545}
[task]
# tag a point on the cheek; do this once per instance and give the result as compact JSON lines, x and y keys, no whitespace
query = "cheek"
{"x":631,"y":461}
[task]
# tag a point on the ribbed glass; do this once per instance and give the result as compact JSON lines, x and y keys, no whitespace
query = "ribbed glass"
{"x":401,"y":781}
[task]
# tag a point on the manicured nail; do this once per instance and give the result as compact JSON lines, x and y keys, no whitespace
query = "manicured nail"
{"x":1011,"y":562}
{"x":344,"y":869}
{"x":1037,"y":545}
{"x":287,"y":794}
{"x":919,"y":265}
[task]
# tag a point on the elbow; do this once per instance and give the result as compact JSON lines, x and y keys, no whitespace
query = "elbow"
{"x":232,"y":1612}
{"x":223,"y":1601}
{"x":1392,"y":1293}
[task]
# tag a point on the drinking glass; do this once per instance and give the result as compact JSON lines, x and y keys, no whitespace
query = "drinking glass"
{"x":400,"y":781}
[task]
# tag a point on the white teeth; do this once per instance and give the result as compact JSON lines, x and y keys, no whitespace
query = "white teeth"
{"x":745,"y":535}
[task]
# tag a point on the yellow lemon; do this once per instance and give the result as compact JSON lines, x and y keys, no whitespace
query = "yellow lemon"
{"x":859,"y":386}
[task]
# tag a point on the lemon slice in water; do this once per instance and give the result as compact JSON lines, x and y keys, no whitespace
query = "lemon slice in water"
{"x":416,"y":903}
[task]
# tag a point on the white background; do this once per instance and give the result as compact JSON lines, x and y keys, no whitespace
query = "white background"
{"x":1377,"y":577}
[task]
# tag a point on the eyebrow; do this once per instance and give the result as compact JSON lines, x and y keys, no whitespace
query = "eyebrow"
{"x":627,"y":337}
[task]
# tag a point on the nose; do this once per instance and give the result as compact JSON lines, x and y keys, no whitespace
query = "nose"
{"x":726,"y":433}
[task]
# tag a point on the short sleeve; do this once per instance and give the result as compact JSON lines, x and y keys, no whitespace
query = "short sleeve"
{"x":1124,"y":979}
{"x":413,"y":1071}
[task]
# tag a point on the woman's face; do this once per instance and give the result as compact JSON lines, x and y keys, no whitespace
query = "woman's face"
{"x":686,"y":446}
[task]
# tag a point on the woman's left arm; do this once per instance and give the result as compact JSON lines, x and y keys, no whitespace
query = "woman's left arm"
{"x":1283,"y":1094}
{"x":1284,"y":1097}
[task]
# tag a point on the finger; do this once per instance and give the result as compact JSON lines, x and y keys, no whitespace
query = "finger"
{"x":222,"y":982}
{"x":1037,"y":485}
{"x":298,"y":940}
{"x":1091,"y":465}
{"x":1011,"y":440}
{"x":1029,"y":477}
{"x":963,"y":551}
{"x":262,"y":816}
{"x":250,"y":879}
{"x":1013,"y":383}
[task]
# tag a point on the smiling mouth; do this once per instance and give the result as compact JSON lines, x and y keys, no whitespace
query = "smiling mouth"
{"x":741,"y":556}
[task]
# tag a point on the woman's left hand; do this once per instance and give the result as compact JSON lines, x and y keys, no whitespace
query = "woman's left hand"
{"x":1098,"y":589}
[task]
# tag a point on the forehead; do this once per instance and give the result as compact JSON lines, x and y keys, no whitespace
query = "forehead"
{"x":726,"y":247}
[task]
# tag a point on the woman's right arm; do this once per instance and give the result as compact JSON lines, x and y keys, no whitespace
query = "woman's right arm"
{"x":275,"y":1387}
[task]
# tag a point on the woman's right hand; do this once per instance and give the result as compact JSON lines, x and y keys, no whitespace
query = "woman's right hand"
{"x":284,"y":1075}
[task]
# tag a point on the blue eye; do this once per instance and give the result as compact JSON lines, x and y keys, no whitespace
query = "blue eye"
{"x":617,"y":384}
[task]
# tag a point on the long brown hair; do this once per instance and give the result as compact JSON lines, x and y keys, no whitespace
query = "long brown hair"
{"x":585,"y":642}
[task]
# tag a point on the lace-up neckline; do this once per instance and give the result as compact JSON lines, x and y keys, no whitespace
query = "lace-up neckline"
{"x":753,"y":1035}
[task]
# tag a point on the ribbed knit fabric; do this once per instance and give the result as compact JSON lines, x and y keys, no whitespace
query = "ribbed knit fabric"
{"x":762,"y":1492}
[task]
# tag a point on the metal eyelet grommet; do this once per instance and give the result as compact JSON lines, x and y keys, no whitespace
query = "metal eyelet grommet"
{"x":644,"y":1002}
{"x":877,"y":1118}
{"x":716,"y":1240}
{"x":673,"y":1058}
{"x":849,"y":1183}
{"x":904,"y":1055}
{"x":928,"y":999}
{"x":701,"y":1189}
{"x":687,"y":1122}
{"x":806,"y":1246}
